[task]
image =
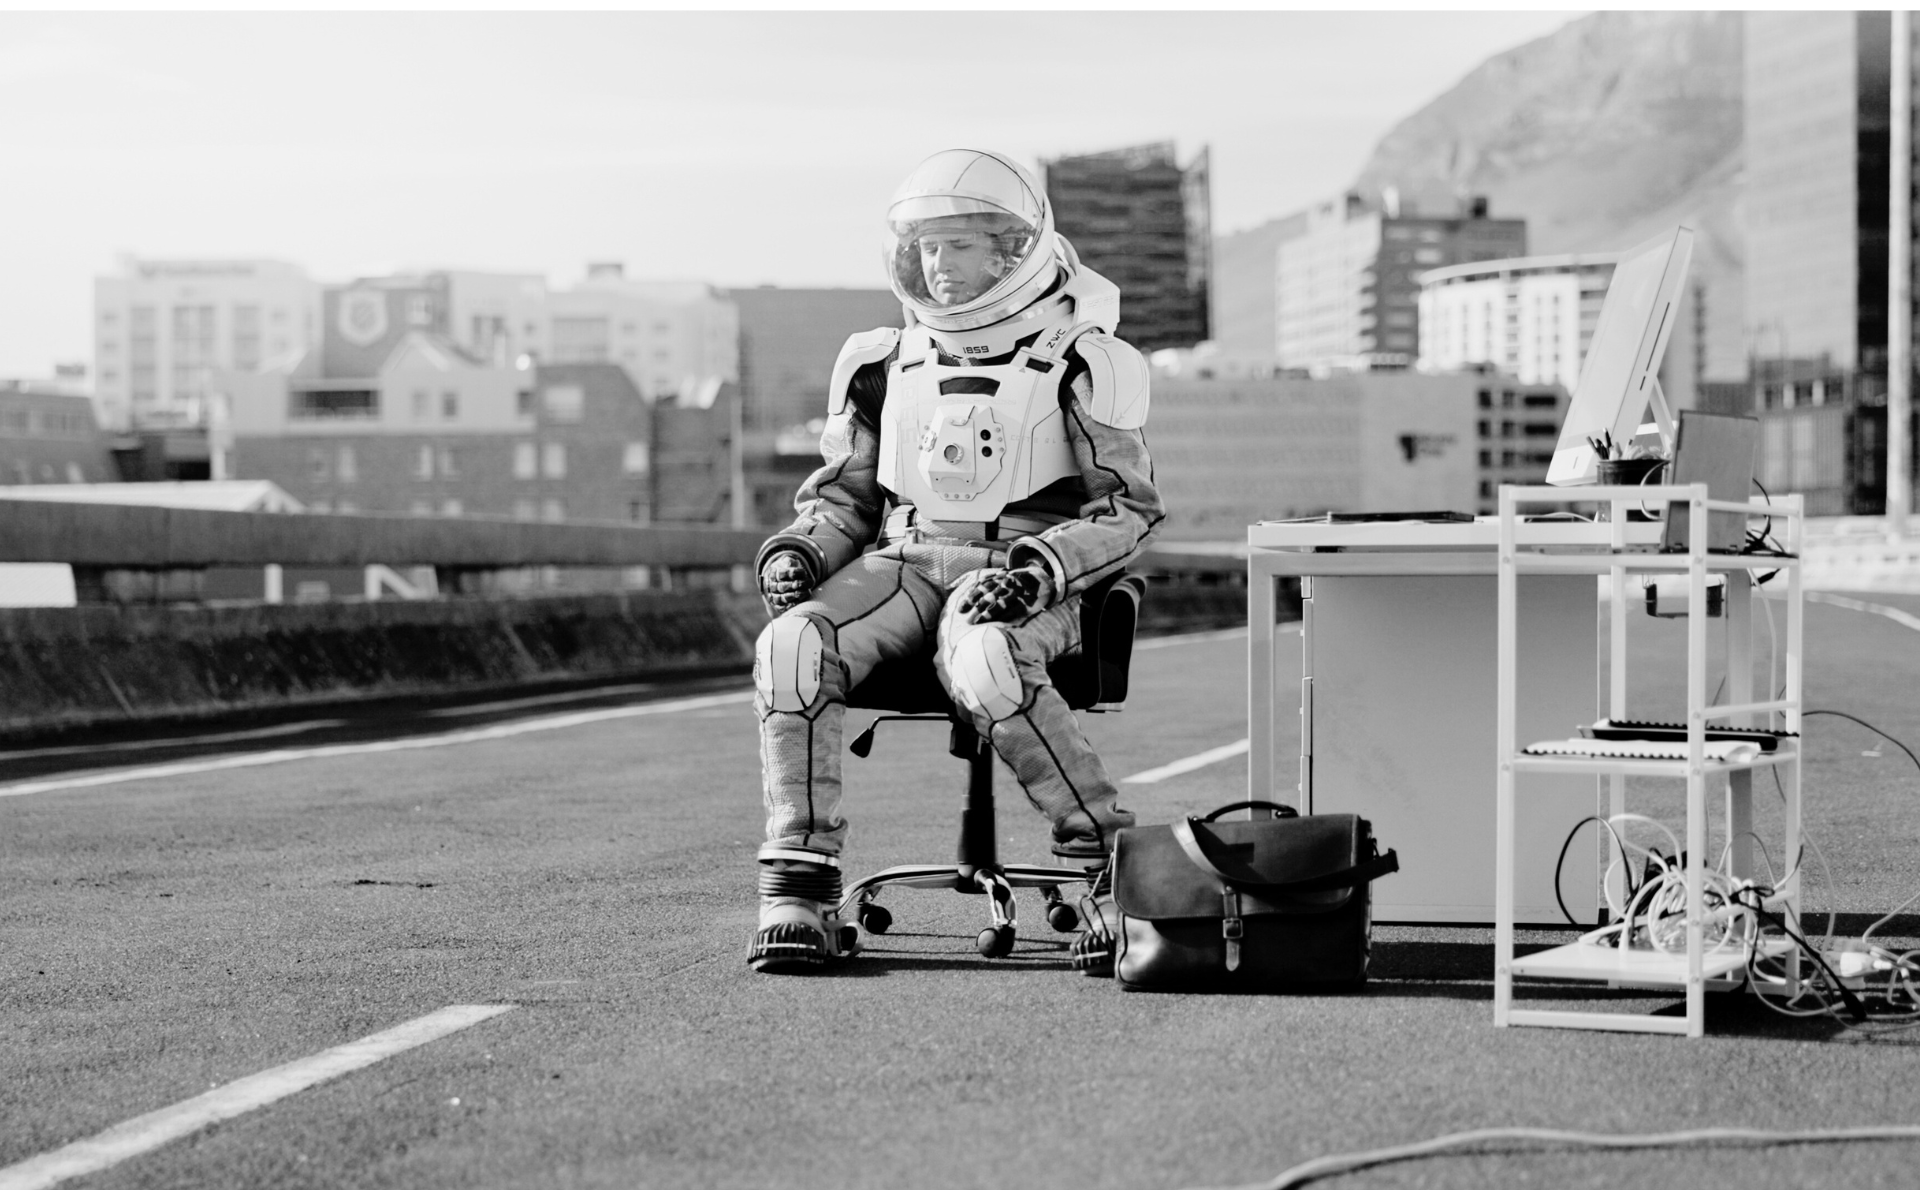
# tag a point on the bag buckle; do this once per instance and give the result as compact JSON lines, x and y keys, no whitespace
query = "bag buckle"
{"x":1232,"y":928}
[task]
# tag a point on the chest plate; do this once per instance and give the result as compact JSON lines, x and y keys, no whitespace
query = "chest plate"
{"x":960,"y":443}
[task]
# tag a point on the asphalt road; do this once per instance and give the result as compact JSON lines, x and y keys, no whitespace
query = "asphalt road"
{"x":173,"y":932}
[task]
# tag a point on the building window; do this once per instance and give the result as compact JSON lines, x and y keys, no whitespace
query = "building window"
{"x":449,"y":406}
{"x":636,"y":459}
{"x":523,"y":403}
{"x":637,"y":511}
{"x":346,"y":506}
{"x":246,"y":338}
{"x":75,"y":474}
{"x":192,"y":350}
{"x":422,"y":404}
{"x":421,"y":508}
{"x":563,"y":402}
{"x":423,"y":463}
{"x":553,"y":509}
{"x":419,"y":310}
{"x":143,"y":354}
{"x":525,"y":510}
{"x":526,"y":460}
{"x":319,"y":468}
{"x":553,"y":460}
{"x":450,"y":508}
{"x":449,"y":463}
{"x":345,"y":465}
{"x":333,"y":403}
{"x":580,"y":340}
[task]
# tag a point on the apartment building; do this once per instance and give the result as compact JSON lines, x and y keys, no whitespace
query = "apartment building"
{"x":163,"y":328}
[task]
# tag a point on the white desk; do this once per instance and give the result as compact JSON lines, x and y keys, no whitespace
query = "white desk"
{"x":1399,"y":696}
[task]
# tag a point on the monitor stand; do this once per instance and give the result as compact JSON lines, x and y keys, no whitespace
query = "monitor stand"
{"x":1662,"y":416}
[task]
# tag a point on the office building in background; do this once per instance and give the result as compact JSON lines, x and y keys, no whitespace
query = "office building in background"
{"x":1817,"y":136}
{"x":1347,"y":290}
{"x":162,"y":328}
{"x":1530,"y":317}
{"x":1141,"y":220}
{"x":670,"y":336}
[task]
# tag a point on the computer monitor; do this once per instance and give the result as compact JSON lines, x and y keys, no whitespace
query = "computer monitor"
{"x":1620,"y":378}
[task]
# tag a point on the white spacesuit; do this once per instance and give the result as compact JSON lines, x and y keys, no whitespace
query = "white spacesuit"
{"x":992,"y":455}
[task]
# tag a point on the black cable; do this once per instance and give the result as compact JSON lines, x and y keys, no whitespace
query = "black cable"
{"x":1758,"y":909}
{"x":1870,"y":727}
{"x":1632,"y":888}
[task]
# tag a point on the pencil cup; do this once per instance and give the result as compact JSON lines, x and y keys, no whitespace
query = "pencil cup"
{"x":1625,"y":472}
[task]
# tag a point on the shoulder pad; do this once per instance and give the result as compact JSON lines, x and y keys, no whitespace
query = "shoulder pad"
{"x":1118,"y":374}
{"x":867,"y":347}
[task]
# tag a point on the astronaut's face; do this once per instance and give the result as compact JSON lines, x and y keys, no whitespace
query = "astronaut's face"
{"x":959,"y":266}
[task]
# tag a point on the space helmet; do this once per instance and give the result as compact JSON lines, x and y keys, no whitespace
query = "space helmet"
{"x":969,"y":240}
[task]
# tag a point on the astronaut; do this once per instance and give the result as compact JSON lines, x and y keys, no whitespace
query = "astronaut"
{"x":983,"y":468}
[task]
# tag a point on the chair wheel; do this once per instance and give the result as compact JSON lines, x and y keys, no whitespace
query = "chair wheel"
{"x":875,"y":918}
{"x":1062,"y":917}
{"x":995,"y":942}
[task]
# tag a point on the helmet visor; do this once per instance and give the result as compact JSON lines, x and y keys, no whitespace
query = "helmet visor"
{"x":947,"y":252}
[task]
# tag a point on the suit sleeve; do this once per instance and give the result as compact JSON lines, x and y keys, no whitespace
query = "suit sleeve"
{"x":1120,"y":514}
{"x":840,"y":506}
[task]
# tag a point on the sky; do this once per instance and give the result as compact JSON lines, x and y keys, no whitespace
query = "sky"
{"x":741,"y":148}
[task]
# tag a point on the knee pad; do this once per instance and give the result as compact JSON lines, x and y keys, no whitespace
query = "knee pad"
{"x":984,"y":676}
{"x":786,"y":663}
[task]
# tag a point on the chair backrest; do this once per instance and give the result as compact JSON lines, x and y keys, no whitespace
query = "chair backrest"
{"x":1095,"y":678}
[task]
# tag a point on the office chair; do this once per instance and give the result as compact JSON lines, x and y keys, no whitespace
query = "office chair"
{"x":1093,"y":679}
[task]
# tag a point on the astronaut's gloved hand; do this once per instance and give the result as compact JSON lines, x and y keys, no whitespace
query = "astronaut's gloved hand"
{"x":1007,"y":594}
{"x":785,"y":581}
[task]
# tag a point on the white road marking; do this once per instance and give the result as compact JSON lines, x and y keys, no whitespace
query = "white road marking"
{"x":1198,"y":638}
{"x":225,"y":737}
{"x":1198,"y":760}
{"x":536,"y":700}
{"x":145,"y":1133}
{"x":476,"y":735}
{"x":1878,"y":609}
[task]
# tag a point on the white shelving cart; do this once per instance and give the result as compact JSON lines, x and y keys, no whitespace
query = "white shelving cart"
{"x":1693,"y":970}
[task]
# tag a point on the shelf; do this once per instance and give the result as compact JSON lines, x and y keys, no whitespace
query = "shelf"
{"x":1581,"y":960}
{"x":1631,"y":767}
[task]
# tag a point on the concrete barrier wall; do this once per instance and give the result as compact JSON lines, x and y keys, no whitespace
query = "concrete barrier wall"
{"x":71,"y":667}
{"x":65,"y":669}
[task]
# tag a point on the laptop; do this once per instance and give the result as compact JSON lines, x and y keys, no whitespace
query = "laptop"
{"x":1717,"y":449}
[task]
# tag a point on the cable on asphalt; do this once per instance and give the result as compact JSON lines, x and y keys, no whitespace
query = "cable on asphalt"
{"x":1326,"y":1167}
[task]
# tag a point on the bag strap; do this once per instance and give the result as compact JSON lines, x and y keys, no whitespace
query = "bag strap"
{"x":1281,"y":809}
{"x":1360,"y":873}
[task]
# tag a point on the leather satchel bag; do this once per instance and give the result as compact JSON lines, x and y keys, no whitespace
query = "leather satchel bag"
{"x":1265,"y":905}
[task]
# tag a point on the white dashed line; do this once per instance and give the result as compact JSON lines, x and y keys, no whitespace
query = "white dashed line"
{"x":1198,"y":760}
{"x":145,"y":1133}
{"x":1878,"y":609}
{"x":475,"y":735}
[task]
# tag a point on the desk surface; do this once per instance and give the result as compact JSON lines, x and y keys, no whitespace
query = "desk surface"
{"x":1482,"y":534}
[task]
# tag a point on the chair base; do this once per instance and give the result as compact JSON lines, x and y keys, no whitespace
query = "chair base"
{"x":996,"y":881}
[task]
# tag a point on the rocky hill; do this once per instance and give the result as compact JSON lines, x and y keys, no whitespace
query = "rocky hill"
{"x":1606,"y":132}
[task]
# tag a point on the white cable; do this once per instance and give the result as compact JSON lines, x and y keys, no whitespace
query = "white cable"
{"x":1325,"y":1167}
